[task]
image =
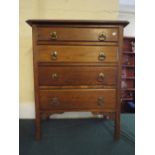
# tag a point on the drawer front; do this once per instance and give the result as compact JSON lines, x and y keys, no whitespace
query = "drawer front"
{"x":77,"y":53}
{"x":78,"y":99}
{"x":75,"y":75}
{"x":77,"y":34}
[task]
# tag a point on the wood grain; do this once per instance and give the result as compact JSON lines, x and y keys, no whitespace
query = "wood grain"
{"x":77,"y":86}
{"x":74,"y":75}
{"x":77,"y":34}
{"x":78,"y":99}
{"x":77,"y":53}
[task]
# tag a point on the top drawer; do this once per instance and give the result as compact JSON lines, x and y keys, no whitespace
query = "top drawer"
{"x":77,"y":34}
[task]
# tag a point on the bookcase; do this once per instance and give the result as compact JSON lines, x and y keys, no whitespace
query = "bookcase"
{"x":128,"y":75}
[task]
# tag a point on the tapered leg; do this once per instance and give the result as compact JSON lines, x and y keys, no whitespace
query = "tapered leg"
{"x":117,"y":126}
{"x":38,"y":128}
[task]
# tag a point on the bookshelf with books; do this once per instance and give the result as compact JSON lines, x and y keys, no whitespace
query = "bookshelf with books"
{"x":128,"y":75}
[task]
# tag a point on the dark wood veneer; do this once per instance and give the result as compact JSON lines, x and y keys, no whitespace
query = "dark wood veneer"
{"x":85,"y":99}
{"x":84,"y":74}
{"x":75,"y":75}
{"x":76,"y":22}
{"x":77,"y":53}
{"x":77,"y":34}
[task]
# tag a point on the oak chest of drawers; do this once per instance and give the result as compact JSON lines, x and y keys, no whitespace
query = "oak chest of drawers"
{"x":77,"y":67}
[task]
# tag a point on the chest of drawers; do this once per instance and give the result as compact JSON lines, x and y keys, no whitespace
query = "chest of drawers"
{"x":77,"y":67}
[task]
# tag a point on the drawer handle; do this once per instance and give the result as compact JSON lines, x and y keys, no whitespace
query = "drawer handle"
{"x":53,"y":35}
{"x":54,"y":55}
{"x":101,"y":77}
{"x":101,"y":56}
{"x":54,"y":76}
{"x":102,"y":36}
{"x":100,"y":101}
{"x":54,"y":101}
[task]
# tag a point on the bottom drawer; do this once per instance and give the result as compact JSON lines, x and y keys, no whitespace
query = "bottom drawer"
{"x":83,"y":99}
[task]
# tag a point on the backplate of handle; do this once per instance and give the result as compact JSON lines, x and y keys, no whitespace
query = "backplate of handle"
{"x":54,"y":76}
{"x":102,"y":36}
{"x":54,"y":55}
{"x":101,"y":77}
{"x":100,"y":101}
{"x":54,"y":101}
{"x":53,"y":35}
{"x":101,"y":56}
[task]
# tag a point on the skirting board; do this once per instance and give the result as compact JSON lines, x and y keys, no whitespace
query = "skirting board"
{"x":27,"y":111}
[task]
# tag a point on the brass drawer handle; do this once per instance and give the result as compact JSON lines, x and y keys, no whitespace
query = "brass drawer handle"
{"x":102,"y":36}
{"x":100,"y":101}
{"x":101,"y":56}
{"x":53,"y":35}
{"x":101,"y":77}
{"x":54,"y":55}
{"x":54,"y":101}
{"x":54,"y":76}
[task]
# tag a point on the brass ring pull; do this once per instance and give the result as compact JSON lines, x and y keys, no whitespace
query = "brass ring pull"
{"x":54,"y":101}
{"x":53,"y":35}
{"x":102,"y":37}
{"x":54,"y":55}
{"x":100,"y":101}
{"x":101,"y":77}
{"x":54,"y":76}
{"x":101,"y":56}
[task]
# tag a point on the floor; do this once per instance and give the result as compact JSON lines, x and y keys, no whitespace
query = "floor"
{"x":78,"y":137}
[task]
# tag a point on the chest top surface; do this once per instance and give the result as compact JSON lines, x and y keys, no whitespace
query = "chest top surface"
{"x":76,"y":22}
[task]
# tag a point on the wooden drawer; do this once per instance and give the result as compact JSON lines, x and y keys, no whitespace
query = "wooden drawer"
{"x":77,"y":34}
{"x":77,"y":53}
{"x":82,"y":99}
{"x":75,"y":75}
